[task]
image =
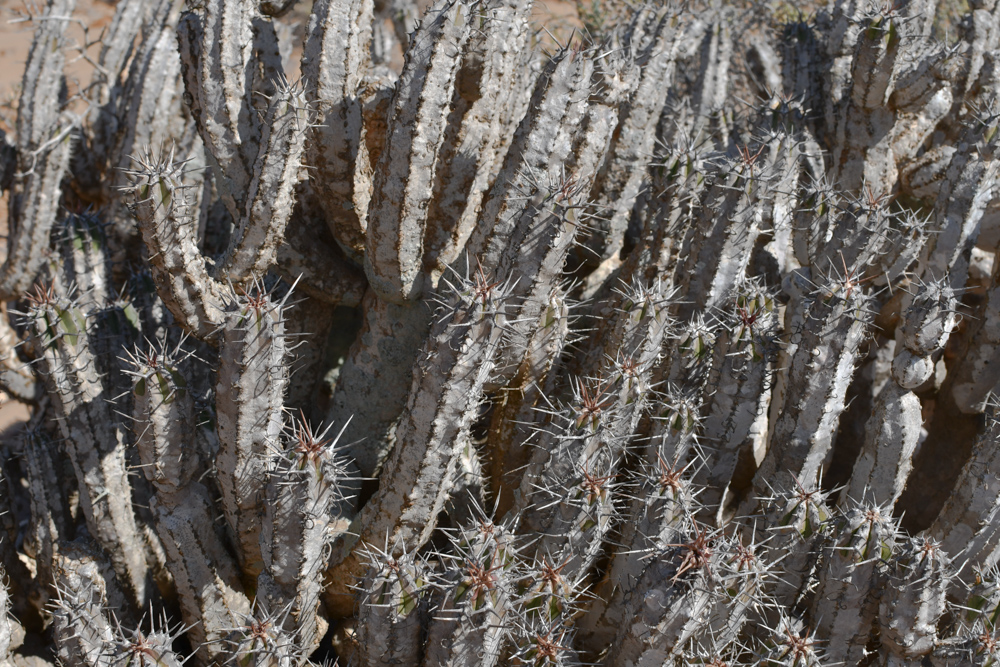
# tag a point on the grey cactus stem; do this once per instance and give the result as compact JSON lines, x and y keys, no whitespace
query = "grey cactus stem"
{"x":84,"y":634}
{"x":216,"y":46}
{"x":679,"y":580}
{"x":44,"y":142}
{"x":389,"y":622}
{"x":334,"y":74}
{"x":206,"y":576}
{"x":963,"y":527}
{"x":654,"y":40}
{"x":249,"y":405}
{"x":92,"y":443}
{"x":468,"y":626}
{"x":804,"y":419}
{"x":306,"y":482}
{"x":914,"y":600}
{"x":270,"y":193}
{"x":865,"y":535}
{"x":464,"y":341}
{"x":486,"y":95}
{"x":168,"y":229}
{"x":404,"y":185}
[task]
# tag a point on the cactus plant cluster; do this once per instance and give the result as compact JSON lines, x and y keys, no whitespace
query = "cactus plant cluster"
{"x":673,"y":343}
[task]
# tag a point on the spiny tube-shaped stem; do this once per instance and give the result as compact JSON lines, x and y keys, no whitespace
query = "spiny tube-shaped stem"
{"x":566,"y":488}
{"x":375,"y":379}
{"x":454,"y":364}
{"x":82,"y":262}
{"x":204,"y":573}
{"x":743,"y":575}
{"x":915,"y":598}
{"x":486,"y":101}
{"x":50,"y":515}
{"x":542,"y":235}
{"x":168,"y":226}
{"x":82,"y":631}
{"x":658,"y":513}
{"x":792,"y":645}
{"x":893,"y":431}
{"x":508,"y":447}
{"x":470,"y":623}
{"x":845,"y":606}
{"x":336,"y":59}
{"x":654,"y":39}
{"x":965,"y":191}
{"x":216,"y":47}
{"x":796,"y":521}
{"x":44,"y":142}
{"x":249,"y":403}
{"x":260,"y":640}
{"x":965,"y":526}
{"x":373,"y":382}
{"x":270,"y":195}
{"x":830,"y":329}
{"x":739,"y":382}
{"x":405,"y":172}
{"x":393,"y":602}
{"x":305,"y":484}
{"x":541,"y":147}
{"x":670,"y":602}
{"x":572,"y":510}
{"x":92,"y":442}
{"x":163,"y":415}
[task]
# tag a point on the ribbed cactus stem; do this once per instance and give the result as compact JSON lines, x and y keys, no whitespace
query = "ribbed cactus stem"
{"x":418,"y":121}
{"x":91,"y":441}
{"x":743,"y":577}
{"x":514,"y":419}
{"x":168,"y":228}
{"x":393,"y":602}
{"x":660,"y":515}
{"x":270,"y":194}
{"x":806,"y":413}
{"x":487,"y":96}
{"x":83,"y":632}
{"x":965,"y":527}
{"x":306,"y":482}
{"x":669,"y":604}
{"x":50,"y":519}
{"x":576,"y":464}
{"x":796,"y":522}
{"x":249,"y":403}
{"x":914,"y":599}
{"x":206,"y":576}
{"x":742,"y":368}
{"x":216,"y":47}
{"x":44,"y":142}
{"x":958,"y":211}
{"x":259,"y":640}
{"x":469,"y":625}
{"x":453,"y":367}
{"x":893,"y":431}
{"x":846,"y":604}
{"x":335,"y":59}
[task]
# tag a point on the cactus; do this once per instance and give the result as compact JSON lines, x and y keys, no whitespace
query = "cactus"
{"x":528,"y":352}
